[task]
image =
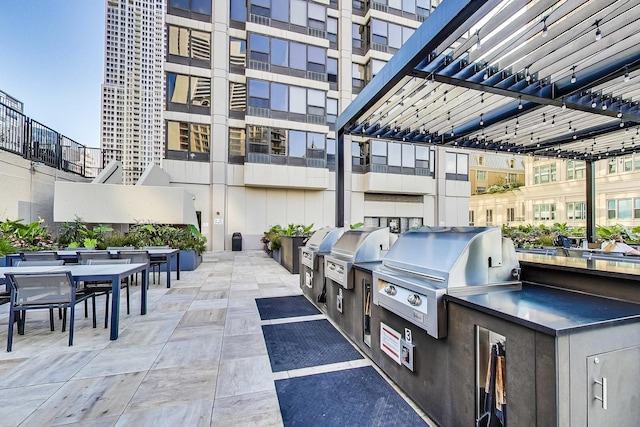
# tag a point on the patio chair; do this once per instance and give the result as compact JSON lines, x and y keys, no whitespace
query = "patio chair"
{"x":39,"y":263}
{"x":136,"y":257}
{"x":156,"y":264}
{"x":32,"y":291}
{"x":39,"y":256}
{"x":104,"y":288}
{"x":85,"y":256}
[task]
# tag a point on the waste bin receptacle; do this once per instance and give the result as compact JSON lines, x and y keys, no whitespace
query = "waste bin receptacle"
{"x":236,"y":242}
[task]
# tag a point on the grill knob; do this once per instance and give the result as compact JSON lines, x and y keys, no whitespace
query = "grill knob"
{"x":391,"y":290}
{"x":414,"y":299}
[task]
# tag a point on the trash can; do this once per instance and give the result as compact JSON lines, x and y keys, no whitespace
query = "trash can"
{"x":236,"y":242}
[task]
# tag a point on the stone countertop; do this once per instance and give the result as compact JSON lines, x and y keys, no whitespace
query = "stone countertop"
{"x":551,"y":310}
{"x":610,"y":268}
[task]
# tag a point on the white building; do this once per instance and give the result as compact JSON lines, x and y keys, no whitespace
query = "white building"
{"x":132,"y":92}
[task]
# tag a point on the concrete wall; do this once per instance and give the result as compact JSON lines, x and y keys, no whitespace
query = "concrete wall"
{"x":27,"y":192}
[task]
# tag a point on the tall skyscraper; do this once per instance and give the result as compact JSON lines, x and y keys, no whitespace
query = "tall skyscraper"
{"x":132,"y":92}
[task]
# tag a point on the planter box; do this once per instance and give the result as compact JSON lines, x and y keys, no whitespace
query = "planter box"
{"x":291,"y":252}
{"x":3,"y":261}
{"x":189,"y":261}
{"x":277,"y":255}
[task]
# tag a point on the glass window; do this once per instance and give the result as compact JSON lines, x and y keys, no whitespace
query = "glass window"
{"x":378,"y":148}
{"x":406,"y":33}
{"x":279,"y":97}
{"x":317,"y":16}
{"x":299,"y":12}
{"x":278,"y":142}
{"x":177,"y":136}
{"x":199,"y":138}
{"x":422,"y":157}
{"x":395,"y":36}
{"x":201,"y":45}
{"x":298,"y":57}
{"x":627,"y":162}
{"x":201,"y":6}
{"x":463,"y":164}
{"x":259,"y":47}
{"x":379,"y":31}
{"x":178,"y":87}
{"x":624,"y":209}
{"x":611,"y":209}
{"x":316,"y":101}
{"x":260,"y":7}
{"x":258,"y":93}
{"x":237,"y":96}
{"x":395,"y":4}
{"x":636,"y":208}
{"x":238,"y":52}
{"x":332,"y":29}
{"x":395,"y":154}
{"x":237,"y":139}
{"x":332,"y":70}
{"x":612,"y":165}
{"x":180,"y":4}
{"x":280,"y":52}
{"x":332,"y":110}
{"x":317,"y":59}
{"x":298,"y":100}
{"x":408,"y":155}
{"x":178,"y":41}
{"x":357,"y":33}
{"x":376,"y":66}
{"x":200,"y":91}
{"x":481,"y":175}
{"x":297,"y":143}
{"x":280,"y":10}
{"x":238,"y":10}
{"x":409,"y":6}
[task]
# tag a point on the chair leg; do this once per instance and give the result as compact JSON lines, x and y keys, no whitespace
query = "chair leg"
{"x":12,"y":316}
{"x":64,"y":319}
{"x":72,"y":309}
{"x":59,"y":313}
{"x":51,"y":319}
{"x":86,"y":304}
{"x":93,"y":305}
{"x":106,"y":311}
{"x":22,"y":316}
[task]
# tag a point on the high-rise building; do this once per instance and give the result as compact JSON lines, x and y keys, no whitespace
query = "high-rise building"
{"x":131,"y":125}
{"x":253,"y":90}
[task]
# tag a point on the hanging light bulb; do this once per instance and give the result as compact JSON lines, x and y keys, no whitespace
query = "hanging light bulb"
{"x":478,"y":42}
{"x":545,"y":32}
{"x":604,"y":105}
{"x":564,"y":106}
{"x":517,"y":123}
{"x":573,"y":74}
{"x":553,"y":121}
{"x":448,"y":116}
{"x":481,"y":121}
{"x":594,"y":104}
{"x":482,"y":98}
{"x":527,"y":76}
{"x":569,"y":126}
{"x":626,"y":74}
{"x":544,"y":118}
{"x":598,"y":32}
{"x":520,"y":103}
{"x":619,"y":115}
{"x":452,"y":134}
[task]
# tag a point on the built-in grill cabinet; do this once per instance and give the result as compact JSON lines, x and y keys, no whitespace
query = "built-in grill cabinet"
{"x":322,"y":241}
{"x":365,"y":244}
{"x":425,"y":264}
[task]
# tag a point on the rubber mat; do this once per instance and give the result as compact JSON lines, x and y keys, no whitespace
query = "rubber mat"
{"x":280,"y":307}
{"x":353,"y":397}
{"x":304,"y":344}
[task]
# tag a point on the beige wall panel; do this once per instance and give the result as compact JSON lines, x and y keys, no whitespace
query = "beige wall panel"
{"x":191,"y":172}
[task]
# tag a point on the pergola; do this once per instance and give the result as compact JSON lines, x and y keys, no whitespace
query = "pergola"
{"x":532,"y":77}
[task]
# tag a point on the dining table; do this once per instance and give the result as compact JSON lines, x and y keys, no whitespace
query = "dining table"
{"x":164,"y":255}
{"x":113,"y":273}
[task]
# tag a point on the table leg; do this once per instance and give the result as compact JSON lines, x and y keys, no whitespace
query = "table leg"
{"x":145,"y":285}
{"x":178,"y":265}
{"x":168,"y":259}
{"x":115,"y":307}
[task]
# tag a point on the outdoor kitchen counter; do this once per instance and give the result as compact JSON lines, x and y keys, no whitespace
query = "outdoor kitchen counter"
{"x":613,"y":279}
{"x":552,"y":311}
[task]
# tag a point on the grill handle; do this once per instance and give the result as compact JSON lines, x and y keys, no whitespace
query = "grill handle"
{"x":406,"y":270}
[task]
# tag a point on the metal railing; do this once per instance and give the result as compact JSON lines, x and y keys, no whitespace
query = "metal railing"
{"x":34,"y":141}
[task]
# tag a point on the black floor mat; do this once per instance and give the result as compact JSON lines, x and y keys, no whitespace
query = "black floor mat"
{"x":353,"y":397}
{"x":304,"y":344}
{"x":280,"y":307}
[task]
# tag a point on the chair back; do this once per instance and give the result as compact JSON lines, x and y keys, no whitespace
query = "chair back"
{"x":85,"y":256}
{"x":156,"y":247}
{"x":38,"y":263}
{"x":121,"y":248}
{"x":108,"y":261}
{"x":76,"y":249}
{"x":136,"y":257}
{"x":38,"y":255}
{"x":37,"y":289}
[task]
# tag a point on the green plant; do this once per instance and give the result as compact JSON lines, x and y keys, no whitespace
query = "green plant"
{"x":179,"y":237}
{"x":6,"y":247}
{"x":271,"y":238}
{"x":33,"y":236}
{"x":77,"y":233}
{"x":356,"y":225}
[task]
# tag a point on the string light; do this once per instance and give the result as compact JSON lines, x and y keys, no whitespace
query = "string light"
{"x":481,"y":121}
{"x":478,"y":42}
{"x":545,"y":32}
{"x":564,"y":106}
{"x":626,"y":74}
{"x":573,"y":74}
{"x":520,"y":103}
{"x":527,"y":76}
{"x":598,"y":32}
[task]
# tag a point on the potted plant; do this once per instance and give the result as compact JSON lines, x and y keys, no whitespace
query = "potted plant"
{"x":292,"y":238}
{"x":272,"y":242}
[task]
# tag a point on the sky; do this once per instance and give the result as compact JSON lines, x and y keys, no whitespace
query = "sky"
{"x":52,"y":60}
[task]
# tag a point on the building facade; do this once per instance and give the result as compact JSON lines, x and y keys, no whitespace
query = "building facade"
{"x":252,"y":90}
{"x":555,"y":192}
{"x":132,"y":96}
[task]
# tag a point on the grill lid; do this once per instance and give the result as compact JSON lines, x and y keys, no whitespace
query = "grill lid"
{"x":453,"y":256}
{"x":324,"y":239}
{"x":362,"y":244}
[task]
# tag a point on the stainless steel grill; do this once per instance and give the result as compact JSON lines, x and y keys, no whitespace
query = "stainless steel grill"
{"x":425,"y":264}
{"x":320,"y":242}
{"x":364,"y":244}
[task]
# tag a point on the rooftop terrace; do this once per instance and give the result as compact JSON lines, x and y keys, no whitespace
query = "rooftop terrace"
{"x":197,"y":358}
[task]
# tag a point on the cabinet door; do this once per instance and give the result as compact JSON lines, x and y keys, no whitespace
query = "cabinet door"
{"x":613,"y":388}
